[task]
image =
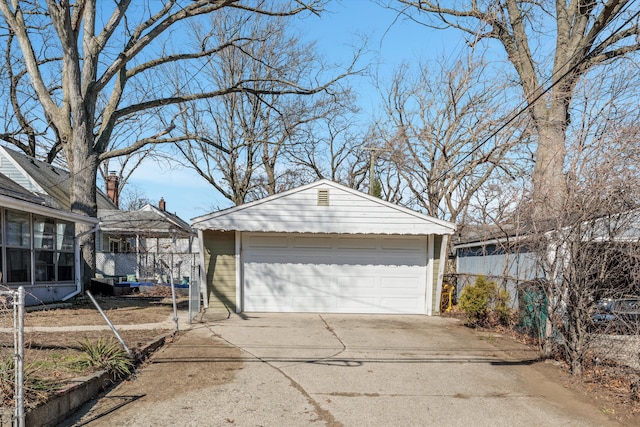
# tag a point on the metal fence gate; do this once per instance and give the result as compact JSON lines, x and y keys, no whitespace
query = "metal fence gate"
{"x":15,"y":300}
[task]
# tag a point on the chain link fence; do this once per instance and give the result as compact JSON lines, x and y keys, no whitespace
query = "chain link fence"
{"x":12,"y":368}
{"x":148,"y":267}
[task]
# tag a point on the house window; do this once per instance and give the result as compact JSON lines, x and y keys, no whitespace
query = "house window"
{"x":65,"y":266}
{"x":65,"y":259}
{"x":18,"y":246}
{"x":18,"y":265}
{"x":120,"y":245}
{"x":65,"y":236}
{"x":114,"y":246}
{"x":18,"y":230}
{"x":44,"y":236}
{"x":36,"y":248}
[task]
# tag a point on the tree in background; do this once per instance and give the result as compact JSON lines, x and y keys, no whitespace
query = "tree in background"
{"x":590,"y":252}
{"x":93,"y":66}
{"x":437,"y":136}
{"x":551,"y":45}
{"x":245,"y":137}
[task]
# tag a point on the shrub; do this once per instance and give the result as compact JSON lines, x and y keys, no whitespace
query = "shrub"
{"x":502,"y":309}
{"x":482,"y":300}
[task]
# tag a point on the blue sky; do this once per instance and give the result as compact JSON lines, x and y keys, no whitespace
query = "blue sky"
{"x":391,"y":40}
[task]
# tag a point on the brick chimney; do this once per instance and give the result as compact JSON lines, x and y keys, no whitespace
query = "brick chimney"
{"x":112,"y":188}
{"x":162,"y":205}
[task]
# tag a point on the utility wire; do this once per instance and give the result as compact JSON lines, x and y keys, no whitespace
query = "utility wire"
{"x":540,"y":95}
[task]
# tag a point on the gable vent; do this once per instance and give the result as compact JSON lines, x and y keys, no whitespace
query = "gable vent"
{"x":323,"y":197}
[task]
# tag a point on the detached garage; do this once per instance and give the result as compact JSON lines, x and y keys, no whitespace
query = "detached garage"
{"x":322,"y":248}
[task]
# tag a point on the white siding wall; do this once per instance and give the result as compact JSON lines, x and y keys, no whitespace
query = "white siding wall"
{"x":347,"y":212}
{"x":9,"y":168}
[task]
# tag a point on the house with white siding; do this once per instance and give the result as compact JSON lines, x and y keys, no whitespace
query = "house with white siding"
{"x":324,"y":248}
{"x":149,"y":244}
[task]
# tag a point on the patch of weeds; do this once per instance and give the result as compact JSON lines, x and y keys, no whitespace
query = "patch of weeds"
{"x":488,"y":338}
{"x":608,"y":411}
{"x":105,"y":354}
{"x":36,"y":389}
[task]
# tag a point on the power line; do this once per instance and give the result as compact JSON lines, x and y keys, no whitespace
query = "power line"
{"x":545,"y":91}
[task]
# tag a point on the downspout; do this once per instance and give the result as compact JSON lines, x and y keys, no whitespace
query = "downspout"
{"x":202,"y":273}
{"x":76,"y":259}
{"x":138,"y":258}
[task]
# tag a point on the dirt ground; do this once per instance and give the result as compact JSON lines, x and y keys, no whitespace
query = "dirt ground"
{"x":50,"y":355}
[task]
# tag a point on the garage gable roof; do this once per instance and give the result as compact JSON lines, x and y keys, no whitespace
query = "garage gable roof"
{"x":323,"y":207}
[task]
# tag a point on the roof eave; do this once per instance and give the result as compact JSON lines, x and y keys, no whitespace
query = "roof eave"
{"x":12,"y":203}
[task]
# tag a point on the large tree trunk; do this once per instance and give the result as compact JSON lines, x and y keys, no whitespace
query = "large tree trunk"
{"x":83,"y":164}
{"x":549,"y":178}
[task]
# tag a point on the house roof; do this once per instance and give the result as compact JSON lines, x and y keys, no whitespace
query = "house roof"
{"x":147,"y":220}
{"x":43,"y":179}
{"x":619,"y":227}
{"x":10,"y":188}
{"x":301,"y":210}
{"x":14,"y":196}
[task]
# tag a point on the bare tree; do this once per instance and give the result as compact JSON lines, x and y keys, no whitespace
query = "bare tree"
{"x":244,"y":137}
{"x":591,"y":252}
{"x":133,"y":198}
{"x":550,"y":45}
{"x":23,"y":124}
{"x":595,"y":256}
{"x":111,"y":54}
{"x":332,"y":147}
{"x":439,"y":135}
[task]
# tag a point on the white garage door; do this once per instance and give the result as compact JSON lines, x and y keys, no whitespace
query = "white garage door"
{"x":334,"y":273}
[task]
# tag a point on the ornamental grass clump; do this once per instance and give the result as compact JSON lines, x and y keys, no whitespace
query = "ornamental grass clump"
{"x":106,"y":354}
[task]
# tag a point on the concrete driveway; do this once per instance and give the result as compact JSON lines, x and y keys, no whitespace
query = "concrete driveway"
{"x":340,"y":370}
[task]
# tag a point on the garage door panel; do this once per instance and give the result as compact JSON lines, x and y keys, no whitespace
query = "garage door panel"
{"x":359,"y":243}
{"x":350,"y":285}
{"x":309,"y":260}
{"x":404,"y":244}
{"x":355,"y":260}
{"x":354,"y":276}
{"x":267,"y":240}
{"x":312,"y":242}
{"x":402,"y":305}
{"x":405,"y":282}
{"x":314,"y":304}
{"x":360,"y":305}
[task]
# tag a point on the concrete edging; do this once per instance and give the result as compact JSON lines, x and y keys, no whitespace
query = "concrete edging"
{"x":79,"y":391}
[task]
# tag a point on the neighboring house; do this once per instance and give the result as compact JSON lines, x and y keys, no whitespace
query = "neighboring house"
{"x":150,"y":244}
{"x":496,"y":254}
{"x":326,"y":248}
{"x":159,"y":230}
{"x":504,"y":256}
{"x":38,"y":249}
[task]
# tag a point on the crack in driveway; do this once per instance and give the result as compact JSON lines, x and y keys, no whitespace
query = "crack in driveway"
{"x":323,"y":414}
